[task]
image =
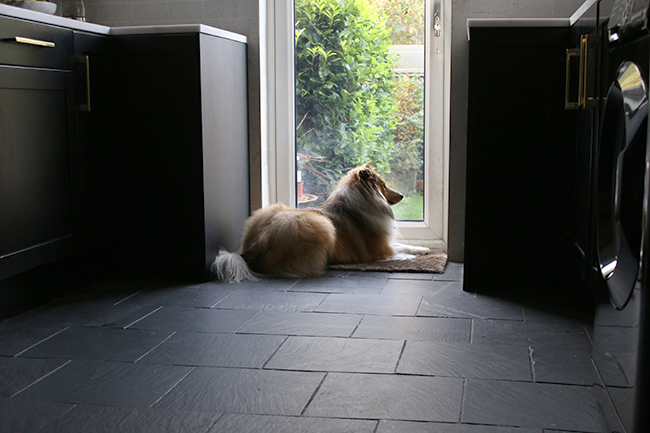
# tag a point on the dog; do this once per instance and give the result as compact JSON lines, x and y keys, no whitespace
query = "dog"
{"x":354,"y":225}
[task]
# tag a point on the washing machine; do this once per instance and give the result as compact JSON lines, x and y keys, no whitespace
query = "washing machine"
{"x":621,"y":328}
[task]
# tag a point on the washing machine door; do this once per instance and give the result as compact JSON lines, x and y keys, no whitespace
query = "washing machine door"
{"x":620,"y":183}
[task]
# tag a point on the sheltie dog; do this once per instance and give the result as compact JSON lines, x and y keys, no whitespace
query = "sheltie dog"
{"x":354,"y":225}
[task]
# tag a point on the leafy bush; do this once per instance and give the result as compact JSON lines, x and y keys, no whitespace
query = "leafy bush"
{"x":408,"y":153}
{"x":405,"y":18}
{"x":344,"y":84}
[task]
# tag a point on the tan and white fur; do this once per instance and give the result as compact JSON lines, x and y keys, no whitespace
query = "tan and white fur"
{"x":354,"y":225}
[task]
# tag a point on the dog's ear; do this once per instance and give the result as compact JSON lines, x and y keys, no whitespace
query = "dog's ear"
{"x":365,"y":173}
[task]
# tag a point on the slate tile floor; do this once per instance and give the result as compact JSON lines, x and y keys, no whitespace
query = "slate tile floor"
{"x":349,"y":352}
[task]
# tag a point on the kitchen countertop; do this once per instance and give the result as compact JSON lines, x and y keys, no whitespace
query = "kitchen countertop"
{"x":530,"y":22}
{"x":16,"y":12}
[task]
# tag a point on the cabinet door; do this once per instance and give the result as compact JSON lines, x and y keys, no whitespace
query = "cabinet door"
{"x":36,"y":216}
{"x":515,"y":167}
{"x":97,"y":113}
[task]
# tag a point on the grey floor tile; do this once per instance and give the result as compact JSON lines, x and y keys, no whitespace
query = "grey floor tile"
{"x":105,"y":419}
{"x":182,"y":296}
{"x":306,"y":324}
{"x":113,"y":344}
{"x":17,"y":374}
{"x":566,"y":366}
{"x":560,"y":407}
{"x":238,"y":423}
{"x":389,"y":305}
{"x":411,"y":276}
{"x":388,"y":426}
{"x":89,"y":313}
{"x":500,"y":332}
{"x":345,"y":331}
{"x":337,"y":354}
{"x":366,"y":275}
{"x":264,"y":392}
{"x":557,"y":314}
{"x":111,"y":291}
{"x":14,"y":340}
{"x":255,"y":300}
{"x":264,"y":284}
{"x":194,"y":320}
{"x":216,"y":350}
{"x":419,"y":287}
{"x":340,"y":285}
{"x":453,"y":272}
{"x":106,"y":383}
{"x":457,"y":303}
{"x":414,"y":328}
{"x":22,"y":416}
{"x":466,"y":360}
{"x":378,"y":396}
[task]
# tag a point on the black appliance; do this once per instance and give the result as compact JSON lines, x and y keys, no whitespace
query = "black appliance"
{"x":621,"y":275}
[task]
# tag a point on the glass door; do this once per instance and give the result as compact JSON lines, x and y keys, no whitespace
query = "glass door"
{"x":355,"y":81}
{"x":359,"y":92}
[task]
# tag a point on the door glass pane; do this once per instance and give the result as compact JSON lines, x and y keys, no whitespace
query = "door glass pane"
{"x":360,"y":96}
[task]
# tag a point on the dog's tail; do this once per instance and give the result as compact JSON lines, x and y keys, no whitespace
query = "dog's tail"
{"x":231,"y":268}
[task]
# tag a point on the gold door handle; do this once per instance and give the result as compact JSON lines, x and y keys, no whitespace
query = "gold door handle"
{"x":568,"y":104}
{"x":30,"y":41}
{"x":85,"y":61}
{"x":588,"y":45}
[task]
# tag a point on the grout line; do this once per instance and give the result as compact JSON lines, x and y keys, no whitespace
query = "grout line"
{"x":471,"y":330}
{"x":155,"y":347}
{"x":170,"y":389}
{"x":462,"y":400}
{"x":43,"y":340}
{"x":249,"y":321}
{"x":227,"y":296}
{"x":357,"y":326}
{"x":128,"y":297}
{"x":274,"y":352}
{"x":532,"y":363}
{"x":399,"y":358}
{"x":38,"y":380}
{"x":584,"y":327}
{"x":313,"y":396}
{"x":216,"y":421}
{"x":143,"y":317}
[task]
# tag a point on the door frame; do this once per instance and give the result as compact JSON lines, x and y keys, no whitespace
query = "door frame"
{"x":277,"y":92}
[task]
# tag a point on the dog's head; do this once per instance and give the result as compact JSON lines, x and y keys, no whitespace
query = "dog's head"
{"x":366,"y":175}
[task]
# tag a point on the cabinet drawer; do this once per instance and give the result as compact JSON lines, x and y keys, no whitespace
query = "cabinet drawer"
{"x":23,"y":43}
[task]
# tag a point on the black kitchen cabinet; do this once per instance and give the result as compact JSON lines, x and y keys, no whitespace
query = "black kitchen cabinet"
{"x":36,"y":186}
{"x":117,"y":153}
{"x":96,"y":103}
{"x":518,"y":133}
{"x":184,"y":144}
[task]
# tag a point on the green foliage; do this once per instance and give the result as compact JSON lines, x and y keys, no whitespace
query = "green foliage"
{"x":405,"y":18}
{"x":344,"y":84}
{"x":411,"y":208}
{"x":408,"y":153}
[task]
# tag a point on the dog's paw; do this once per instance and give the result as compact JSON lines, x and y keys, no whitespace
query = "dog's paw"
{"x":410,"y":249}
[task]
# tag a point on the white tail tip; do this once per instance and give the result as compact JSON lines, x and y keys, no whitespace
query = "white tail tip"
{"x":231,"y":268}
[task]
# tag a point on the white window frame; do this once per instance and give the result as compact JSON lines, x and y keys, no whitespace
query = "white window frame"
{"x":278,"y":98}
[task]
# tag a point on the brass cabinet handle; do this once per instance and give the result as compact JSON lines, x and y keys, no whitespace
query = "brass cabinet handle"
{"x":568,"y":104}
{"x":30,"y":41}
{"x":587,"y":43}
{"x":85,"y":60}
